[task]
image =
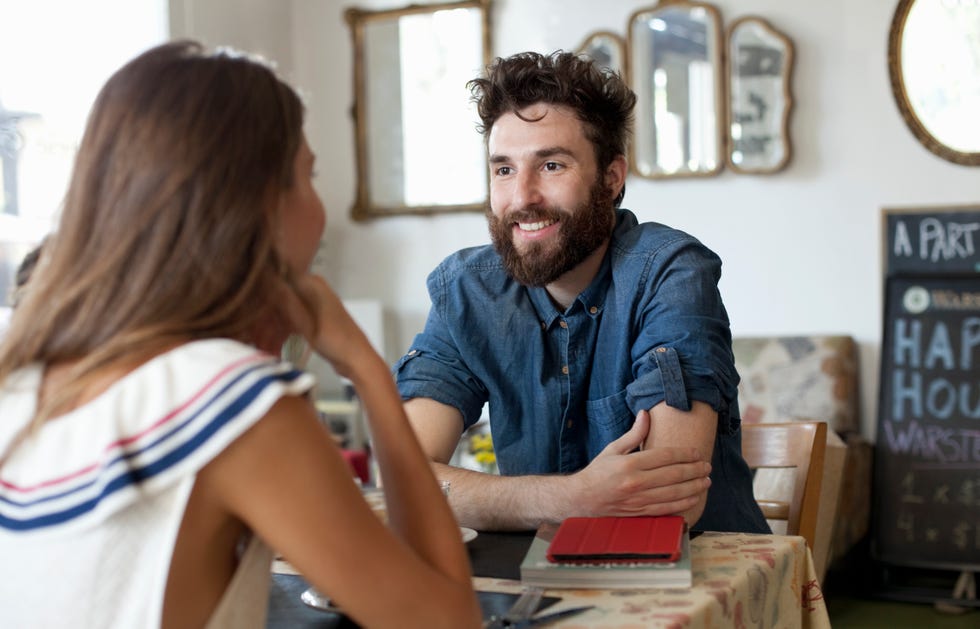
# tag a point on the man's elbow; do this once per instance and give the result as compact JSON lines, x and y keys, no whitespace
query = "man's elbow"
{"x":692,"y":515}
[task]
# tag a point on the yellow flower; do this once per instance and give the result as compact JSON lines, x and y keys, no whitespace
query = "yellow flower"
{"x":481,"y":447}
{"x":481,"y":443}
{"x":485,"y":458}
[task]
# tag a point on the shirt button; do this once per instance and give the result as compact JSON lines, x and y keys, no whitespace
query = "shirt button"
{"x":563,"y":324}
{"x":570,"y":423}
{"x":544,"y":326}
{"x":661,"y":350}
{"x":413,"y":352}
{"x":564,"y":370}
{"x":593,"y":310}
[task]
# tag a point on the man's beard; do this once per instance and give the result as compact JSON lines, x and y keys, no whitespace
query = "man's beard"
{"x":581,"y":231}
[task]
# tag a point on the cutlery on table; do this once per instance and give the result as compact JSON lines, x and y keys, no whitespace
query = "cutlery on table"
{"x":547,"y":619}
{"x":521,"y":613}
{"x":522,"y":609}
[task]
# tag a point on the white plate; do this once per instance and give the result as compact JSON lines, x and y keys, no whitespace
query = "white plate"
{"x":468,"y":534}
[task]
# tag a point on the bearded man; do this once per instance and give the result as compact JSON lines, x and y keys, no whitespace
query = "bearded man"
{"x":600,"y":344}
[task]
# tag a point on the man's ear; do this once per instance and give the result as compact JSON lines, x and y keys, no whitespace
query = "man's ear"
{"x":615,"y":176}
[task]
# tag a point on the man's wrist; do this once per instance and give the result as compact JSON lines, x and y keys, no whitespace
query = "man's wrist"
{"x":558,"y":496}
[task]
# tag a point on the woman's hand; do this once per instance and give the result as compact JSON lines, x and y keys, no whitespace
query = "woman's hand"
{"x":311,"y":308}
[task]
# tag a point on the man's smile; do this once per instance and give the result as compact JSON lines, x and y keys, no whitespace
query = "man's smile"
{"x":536,"y":226}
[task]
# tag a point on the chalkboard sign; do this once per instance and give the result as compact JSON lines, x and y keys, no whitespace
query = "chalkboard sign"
{"x":927,"y":456}
{"x":939,"y":240}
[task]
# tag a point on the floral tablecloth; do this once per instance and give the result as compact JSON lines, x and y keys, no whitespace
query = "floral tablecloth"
{"x":740,"y":580}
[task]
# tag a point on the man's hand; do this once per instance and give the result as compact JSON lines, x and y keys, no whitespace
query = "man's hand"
{"x":620,"y":480}
{"x":655,"y":481}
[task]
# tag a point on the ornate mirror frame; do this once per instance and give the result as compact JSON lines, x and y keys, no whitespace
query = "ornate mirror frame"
{"x":759,"y":99}
{"x":904,"y":102}
{"x":380,"y":135}
{"x":645,"y":151}
{"x":607,"y":49}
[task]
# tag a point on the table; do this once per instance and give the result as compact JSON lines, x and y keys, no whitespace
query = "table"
{"x":740,"y":580}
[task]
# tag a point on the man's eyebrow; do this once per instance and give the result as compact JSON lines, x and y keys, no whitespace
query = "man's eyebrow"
{"x":549,"y":151}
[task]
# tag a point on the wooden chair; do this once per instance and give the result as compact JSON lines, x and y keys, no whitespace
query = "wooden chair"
{"x":798,"y":445}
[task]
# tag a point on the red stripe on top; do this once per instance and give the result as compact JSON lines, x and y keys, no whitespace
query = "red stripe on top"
{"x":127,"y":440}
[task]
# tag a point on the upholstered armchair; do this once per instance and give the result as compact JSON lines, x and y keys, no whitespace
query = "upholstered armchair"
{"x":813,"y":378}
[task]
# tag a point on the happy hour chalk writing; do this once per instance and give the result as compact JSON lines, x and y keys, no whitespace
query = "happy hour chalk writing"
{"x":927,"y":455}
{"x":934,"y":369}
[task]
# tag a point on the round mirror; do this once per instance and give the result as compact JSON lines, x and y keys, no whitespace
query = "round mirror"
{"x":934,"y":66}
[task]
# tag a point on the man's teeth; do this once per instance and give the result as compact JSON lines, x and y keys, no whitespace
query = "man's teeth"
{"x":533,"y":227}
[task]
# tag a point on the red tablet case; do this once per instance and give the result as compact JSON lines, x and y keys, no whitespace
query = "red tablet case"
{"x":618,"y":539}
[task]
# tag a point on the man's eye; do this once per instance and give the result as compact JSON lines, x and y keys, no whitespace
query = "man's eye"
{"x":552,"y":166}
{"x":502,"y":171}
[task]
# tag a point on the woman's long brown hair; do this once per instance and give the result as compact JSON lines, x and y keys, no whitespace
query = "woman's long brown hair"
{"x":169,"y":221}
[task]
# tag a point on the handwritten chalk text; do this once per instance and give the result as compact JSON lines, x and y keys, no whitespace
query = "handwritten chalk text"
{"x":937,"y":240}
{"x":934,"y":443}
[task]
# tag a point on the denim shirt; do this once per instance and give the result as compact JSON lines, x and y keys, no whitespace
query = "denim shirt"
{"x":651,"y":327}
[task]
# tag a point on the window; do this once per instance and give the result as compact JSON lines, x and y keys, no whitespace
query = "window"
{"x":55,"y":55}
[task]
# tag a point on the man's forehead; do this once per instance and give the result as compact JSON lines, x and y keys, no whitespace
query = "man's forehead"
{"x":519,"y":128}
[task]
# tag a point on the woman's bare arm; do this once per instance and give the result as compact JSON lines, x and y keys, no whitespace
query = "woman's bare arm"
{"x":286,"y":479}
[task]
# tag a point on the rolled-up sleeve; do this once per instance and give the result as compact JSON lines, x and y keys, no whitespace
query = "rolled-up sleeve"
{"x":433,"y":368}
{"x":682,"y":351}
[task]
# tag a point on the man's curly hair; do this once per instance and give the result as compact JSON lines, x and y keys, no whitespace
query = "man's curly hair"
{"x":599,"y":97}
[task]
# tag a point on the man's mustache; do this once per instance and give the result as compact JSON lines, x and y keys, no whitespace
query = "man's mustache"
{"x":533,"y":215}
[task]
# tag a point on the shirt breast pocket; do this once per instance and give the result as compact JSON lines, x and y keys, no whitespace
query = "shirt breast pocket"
{"x":610,"y":414}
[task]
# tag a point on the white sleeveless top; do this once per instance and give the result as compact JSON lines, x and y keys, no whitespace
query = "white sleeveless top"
{"x":91,"y":504}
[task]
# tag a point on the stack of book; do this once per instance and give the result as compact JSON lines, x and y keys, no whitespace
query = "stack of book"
{"x":610,"y":553}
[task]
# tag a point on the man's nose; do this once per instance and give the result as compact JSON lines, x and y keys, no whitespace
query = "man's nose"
{"x":527,"y":191}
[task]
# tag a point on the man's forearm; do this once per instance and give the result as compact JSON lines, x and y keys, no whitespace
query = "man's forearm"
{"x":490,"y":502}
{"x":694,"y":428}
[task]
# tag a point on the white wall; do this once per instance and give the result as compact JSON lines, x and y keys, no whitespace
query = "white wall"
{"x":801,"y":249}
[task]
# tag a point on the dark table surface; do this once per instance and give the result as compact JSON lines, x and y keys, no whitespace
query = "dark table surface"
{"x":496,"y":555}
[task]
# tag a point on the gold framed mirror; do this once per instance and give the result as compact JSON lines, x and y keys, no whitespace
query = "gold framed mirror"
{"x":760,"y":63}
{"x":675,"y":66}
{"x":934,"y":67}
{"x":412,"y":110}
{"x":607,"y":49}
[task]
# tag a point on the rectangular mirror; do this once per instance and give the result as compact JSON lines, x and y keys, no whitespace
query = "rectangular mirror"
{"x":675,"y":67}
{"x":418,"y":151}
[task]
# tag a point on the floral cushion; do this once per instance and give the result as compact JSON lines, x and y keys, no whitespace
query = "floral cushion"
{"x":798,"y":377}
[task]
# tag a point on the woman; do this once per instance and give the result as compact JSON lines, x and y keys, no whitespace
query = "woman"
{"x":152,"y":446}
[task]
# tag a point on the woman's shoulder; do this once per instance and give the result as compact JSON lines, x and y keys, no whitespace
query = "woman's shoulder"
{"x":158,"y":424}
{"x":210,"y":376}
